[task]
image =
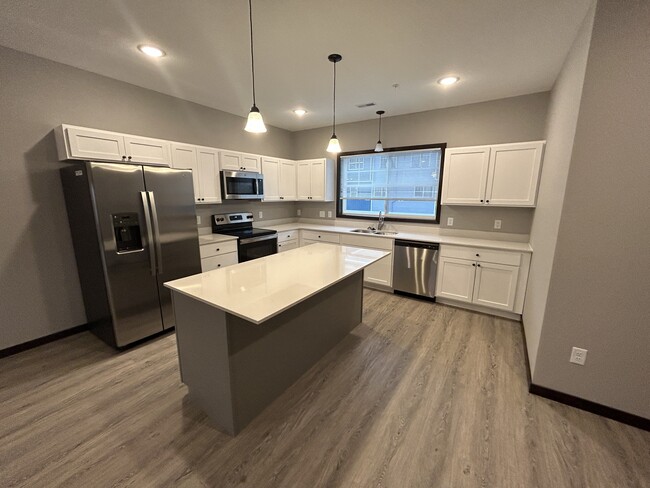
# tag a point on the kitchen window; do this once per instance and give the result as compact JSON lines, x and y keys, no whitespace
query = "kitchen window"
{"x":404,"y":183}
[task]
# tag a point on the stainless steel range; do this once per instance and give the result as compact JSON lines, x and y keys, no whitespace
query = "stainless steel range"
{"x":252,"y":243}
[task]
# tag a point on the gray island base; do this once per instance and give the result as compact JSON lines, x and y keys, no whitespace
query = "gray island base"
{"x":234,"y":368}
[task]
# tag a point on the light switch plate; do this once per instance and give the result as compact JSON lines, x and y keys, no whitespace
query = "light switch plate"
{"x":321,"y":213}
{"x":298,"y":212}
{"x":261,"y":214}
{"x":329,"y":214}
{"x":497,"y":224}
{"x":450,"y":221}
{"x":198,"y":220}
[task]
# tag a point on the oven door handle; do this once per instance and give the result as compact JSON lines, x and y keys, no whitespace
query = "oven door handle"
{"x":257,"y":239}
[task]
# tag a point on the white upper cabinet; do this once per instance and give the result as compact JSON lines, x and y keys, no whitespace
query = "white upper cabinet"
{"x":279,"y":179}
{"x":204,"y":163}
{"x":271,"y":172}
{"x":503,"y":175}
{"x":315,"y":180}
{"x":237,"y":161}
{"x":209,"y":181}
{"x":465,"y":175}
{"x":147,"y":150}
{"x":98,"y":145}
{"x":288,"y":180}
{"x":514,"y":174}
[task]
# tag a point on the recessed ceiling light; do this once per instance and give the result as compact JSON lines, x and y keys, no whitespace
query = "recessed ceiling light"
{"x":152,"y":51}
{"x":448,"y":80}
{"x":300,"y":112}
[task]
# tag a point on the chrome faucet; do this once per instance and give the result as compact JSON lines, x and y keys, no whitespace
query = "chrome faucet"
{"x":380,"y":222}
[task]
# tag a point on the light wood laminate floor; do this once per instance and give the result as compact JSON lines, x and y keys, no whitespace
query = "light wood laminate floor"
{"x":418,"y":395}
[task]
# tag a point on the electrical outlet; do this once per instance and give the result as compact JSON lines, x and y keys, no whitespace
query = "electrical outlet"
{"x":497,"y":224}
{"x":321,"y":213}
{"x":578,"y":356}
{"x":329,"y":214}
{"x":261,"y":214}
{"x":298,"y":212}
{"x":198,"y":220}
{"x":450,"y":221}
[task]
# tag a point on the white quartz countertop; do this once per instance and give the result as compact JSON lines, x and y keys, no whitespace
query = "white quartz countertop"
{"x":437,"y":238}
{"x":262,"y":288}
{"x":214,"y":238}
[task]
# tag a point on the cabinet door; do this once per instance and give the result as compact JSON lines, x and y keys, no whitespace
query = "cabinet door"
{"x":287,"y":245}
{"x":303,"y":180}
{"x":514,"y":174}
{"x":218,"y":261}
{"x":496,"y":285}
{"x":95,"y":145}
{"x":209,"y":182}
{"x":271,"y":172}
{"x":147,"y":150}
{"x":230,"y":160}
{"x":455,"y":279}
{"x":379,"y":272}
{"x":465,"y":175}
{"x":184,"y":157}
{"x":317,"y":176}
{"x":251,"y":162}
{"x":288,"y":180}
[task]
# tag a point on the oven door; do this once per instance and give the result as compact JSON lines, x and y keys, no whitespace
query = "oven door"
{"x":257,"y":247}
{"x":242,"y":185}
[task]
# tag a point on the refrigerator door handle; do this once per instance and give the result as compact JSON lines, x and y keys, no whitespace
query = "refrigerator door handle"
{"x":156,"y":231}
{"x":150,"y":241}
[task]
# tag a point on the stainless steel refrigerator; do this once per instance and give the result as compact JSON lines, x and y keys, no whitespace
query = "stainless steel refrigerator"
{"x":133,"y":228}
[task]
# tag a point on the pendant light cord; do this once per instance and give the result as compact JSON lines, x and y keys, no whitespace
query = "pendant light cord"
{"x":250,"y":12}
{"x":334,"y":103}
{"x":379,"y":135}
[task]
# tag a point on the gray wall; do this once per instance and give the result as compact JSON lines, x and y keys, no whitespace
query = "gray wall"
{"x":599,"y":290}
{"x":560,"y":132}
{"x":270,"y":210}
{"x":513,"y":119}
{"x":39,"y":288}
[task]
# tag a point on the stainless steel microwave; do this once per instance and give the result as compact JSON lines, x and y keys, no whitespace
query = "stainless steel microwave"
{"x":242,"y":185}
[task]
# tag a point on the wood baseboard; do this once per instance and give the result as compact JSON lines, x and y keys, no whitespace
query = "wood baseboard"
{"x":581,"y":403}
{"x":10,"y":351}
{"x":589,"y":406}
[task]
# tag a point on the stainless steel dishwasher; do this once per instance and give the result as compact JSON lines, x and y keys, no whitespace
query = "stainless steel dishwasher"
{"x":414,"y":268}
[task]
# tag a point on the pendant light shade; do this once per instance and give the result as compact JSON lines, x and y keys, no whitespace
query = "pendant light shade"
{"x":379,"y":147}
{"x":255,"y":123}
{"x":334,"y":146}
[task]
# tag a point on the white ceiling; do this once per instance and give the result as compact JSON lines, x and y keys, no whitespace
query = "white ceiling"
{"x":499,"y":48}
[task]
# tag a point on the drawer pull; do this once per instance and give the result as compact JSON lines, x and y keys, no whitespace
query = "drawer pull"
{"x":220,"y":250}
{"x":477,"y":255}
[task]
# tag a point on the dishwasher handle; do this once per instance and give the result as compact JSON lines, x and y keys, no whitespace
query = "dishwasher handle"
{"x":417,"y":244}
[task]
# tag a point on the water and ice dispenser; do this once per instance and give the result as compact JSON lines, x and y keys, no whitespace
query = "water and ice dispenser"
{"x":127,"y":232}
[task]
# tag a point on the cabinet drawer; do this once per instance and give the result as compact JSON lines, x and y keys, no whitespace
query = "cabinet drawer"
{"x":320,"y":236}
{"x":218,"y":261}
{"x":287,"y":245}
{"x":367,"y":241}
{"x":482,"y":255}
{"x":287,"y":236}
{"x":217,"y":248}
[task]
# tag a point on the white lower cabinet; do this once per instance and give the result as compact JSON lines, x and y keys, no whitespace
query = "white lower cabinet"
{"x":218,"y":255}
{"x":311,"y":237}
{"x":378,"y":273}
{"x":482,"y":277}
{"x":287,"y":240}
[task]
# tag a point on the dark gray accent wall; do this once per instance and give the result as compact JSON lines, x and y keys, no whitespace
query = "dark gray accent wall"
{"x":515,"y":119}
{"x":598,"y":296}
{"x":39,"y":288}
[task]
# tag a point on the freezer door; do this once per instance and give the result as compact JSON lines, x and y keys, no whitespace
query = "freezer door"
{"x":171,"y":194}
{"x":127,"y":253}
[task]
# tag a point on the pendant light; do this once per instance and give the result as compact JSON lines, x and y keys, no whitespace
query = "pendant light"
{"x":334,"y":146}
{"x":379,"y":147}
{"x":255,"y":123}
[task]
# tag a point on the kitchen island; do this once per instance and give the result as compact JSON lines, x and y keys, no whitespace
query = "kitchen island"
{"x":247,"y":332}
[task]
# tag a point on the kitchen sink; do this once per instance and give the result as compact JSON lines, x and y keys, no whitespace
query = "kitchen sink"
{"x":374,"y":232}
